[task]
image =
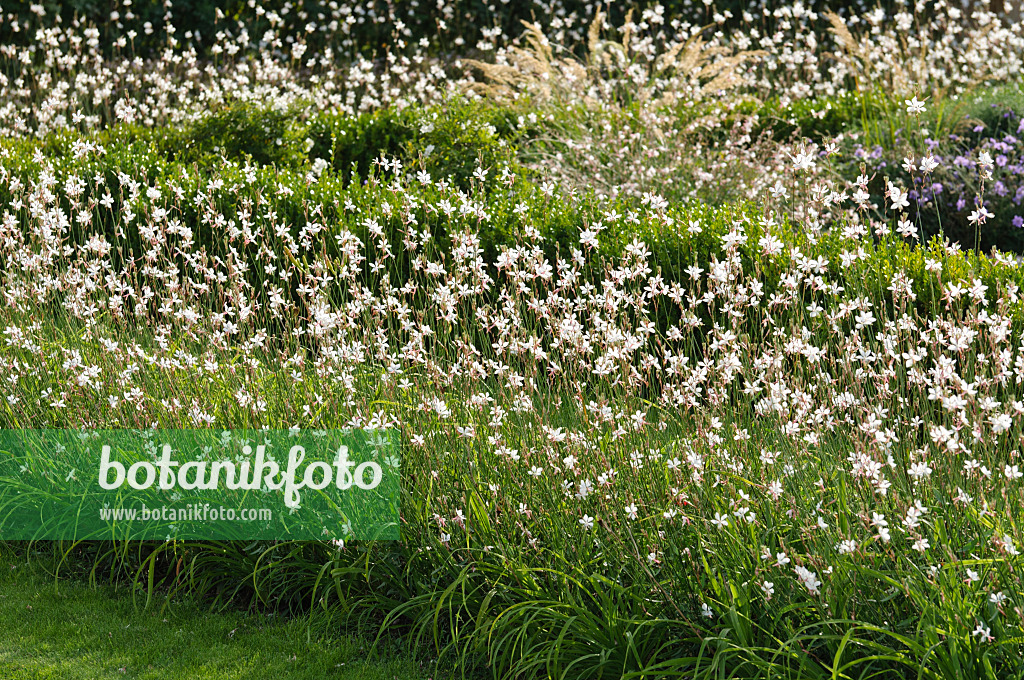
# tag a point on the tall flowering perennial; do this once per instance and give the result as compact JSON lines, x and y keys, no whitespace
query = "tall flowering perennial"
{"x":564,"y":402}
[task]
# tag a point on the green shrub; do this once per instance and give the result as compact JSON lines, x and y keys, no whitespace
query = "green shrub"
{"x":820,"y":118}
{"x":351,"y":144}
{"x":284,"y":192}
{"x":237,"y":132}
{"x":459,"y":137}
{"x":449,"y":141}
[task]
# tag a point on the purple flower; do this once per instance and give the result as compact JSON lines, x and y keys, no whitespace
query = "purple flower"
{"x":1018,"y":221}
{"x":960,"y":204}
{"x":1001,"y":160}
{"x":979,"y":128}
{"x":999,"y":188}
{"x":937,"y":188}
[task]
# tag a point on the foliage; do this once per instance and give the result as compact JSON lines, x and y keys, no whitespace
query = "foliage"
{"x":71,"y":629}
{"x":240,"y":132}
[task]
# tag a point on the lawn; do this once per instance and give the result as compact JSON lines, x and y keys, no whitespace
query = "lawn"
{"x":69,"y":630}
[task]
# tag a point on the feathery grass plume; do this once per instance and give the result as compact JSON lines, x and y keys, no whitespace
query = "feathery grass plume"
{"x":528,"y":69}
{"x":607,"y":75}
{"x":850,"y":51}
{"x":710,"y":69}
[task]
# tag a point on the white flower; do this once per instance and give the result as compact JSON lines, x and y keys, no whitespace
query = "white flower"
{"x":914,"y":106}
{"x":584,"y":489}
{"x":980,"y":215}
{"x":919,"y":471}
{"x":846,"y":547}
{"x":1006,"y":543}
{"x":803,"y":161}
{"x":864,"y":319}
{"x":897,"y":197}
{"x":808,"y":578}
{"x":906,"y":228}
{"x":587,"y":522}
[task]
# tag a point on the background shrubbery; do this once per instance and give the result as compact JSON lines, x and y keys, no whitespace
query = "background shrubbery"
{"x":196,"y":21}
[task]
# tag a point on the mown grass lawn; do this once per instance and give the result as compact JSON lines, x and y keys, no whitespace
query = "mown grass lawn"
{"x":73,"y":631}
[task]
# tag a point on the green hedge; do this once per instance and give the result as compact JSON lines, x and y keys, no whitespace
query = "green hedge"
{"x":464,"y":140}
